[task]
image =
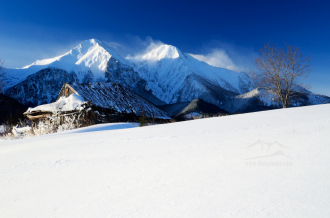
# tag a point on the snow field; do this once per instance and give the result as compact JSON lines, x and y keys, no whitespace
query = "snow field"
{"x":266,"y":164}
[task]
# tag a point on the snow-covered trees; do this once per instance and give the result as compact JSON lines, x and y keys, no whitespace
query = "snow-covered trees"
{"x":51,"y":124}
{"x":281,"y":69}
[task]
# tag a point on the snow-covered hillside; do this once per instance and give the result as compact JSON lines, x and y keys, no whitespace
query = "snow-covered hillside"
{"x":266,"y":164}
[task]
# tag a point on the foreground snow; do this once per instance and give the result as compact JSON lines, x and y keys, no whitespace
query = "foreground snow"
{"x":266,"y":164}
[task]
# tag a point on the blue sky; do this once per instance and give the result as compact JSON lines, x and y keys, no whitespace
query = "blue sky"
{"x":34,"y":29}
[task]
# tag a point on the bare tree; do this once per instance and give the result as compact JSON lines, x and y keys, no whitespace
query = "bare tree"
{"x":2,"y":73}
{"x":282,"y":70}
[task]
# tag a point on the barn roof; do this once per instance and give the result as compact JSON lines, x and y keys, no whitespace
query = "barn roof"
{"x":117,"y":97}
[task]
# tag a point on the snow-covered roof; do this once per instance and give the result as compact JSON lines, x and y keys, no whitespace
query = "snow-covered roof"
{"x":73,"y":102}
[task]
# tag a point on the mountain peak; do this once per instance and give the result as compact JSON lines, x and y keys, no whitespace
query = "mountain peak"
{"x":89,"y":54}
{"x":162,"y":52}
{"x":87,"y":44}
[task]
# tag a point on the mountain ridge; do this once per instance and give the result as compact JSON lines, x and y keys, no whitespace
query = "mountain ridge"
{"x":163,"y":75}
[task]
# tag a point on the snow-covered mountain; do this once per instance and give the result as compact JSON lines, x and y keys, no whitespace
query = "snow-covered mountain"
{"x":164,"y":72}
{"x":162,"y":75}
{"x":90,"y":55}
{"x":177,"y":77}
{"x":90,"y":61}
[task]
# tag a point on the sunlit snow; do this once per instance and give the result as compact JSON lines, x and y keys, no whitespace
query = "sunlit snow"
{"x":267,"y":164}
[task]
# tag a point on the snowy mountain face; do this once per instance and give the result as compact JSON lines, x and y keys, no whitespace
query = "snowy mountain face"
{"x":88,"y":60}
{"x":123,"y":73}
{"x":174,"y":76}
{"x":89,"y":55}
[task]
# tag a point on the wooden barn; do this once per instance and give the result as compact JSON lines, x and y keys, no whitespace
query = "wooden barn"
{"x":97,"y":102}
{"x":58,"y":112}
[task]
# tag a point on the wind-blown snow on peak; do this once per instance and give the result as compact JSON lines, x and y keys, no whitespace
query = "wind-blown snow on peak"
{"x":92,"y":41}
{"x":84,"y":47}
{"x":162,"y":52}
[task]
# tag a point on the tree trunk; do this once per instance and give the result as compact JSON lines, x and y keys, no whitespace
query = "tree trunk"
{"x":285,"y":104}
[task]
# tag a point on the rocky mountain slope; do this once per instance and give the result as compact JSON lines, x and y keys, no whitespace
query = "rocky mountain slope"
{"x":118,"y":98}
{"x":40,"y":88}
